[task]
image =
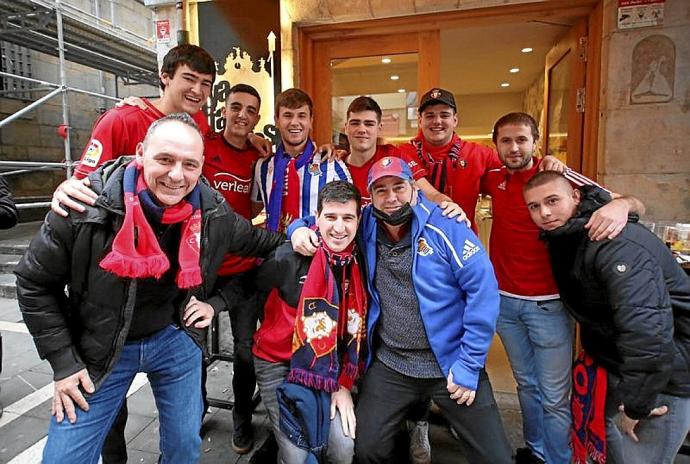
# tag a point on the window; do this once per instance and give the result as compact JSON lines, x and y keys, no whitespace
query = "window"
{"x":15,"y":59}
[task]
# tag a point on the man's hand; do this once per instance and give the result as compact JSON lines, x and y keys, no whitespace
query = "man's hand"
{"x":609,"y":220}
{"x":551,"y":163}
{"x":342,"y":400}
{"x":262,"y":145}
{"x":304,"y":241}
{"x":453,"y":210}
{"x":459,"y":393}
{"x":628,"y":425}
{"x":67,"y":393}
{"x":132,"y":101}
{"x":198,"y":313}
{"x":70,"y":190}
{"x":330,"y":152}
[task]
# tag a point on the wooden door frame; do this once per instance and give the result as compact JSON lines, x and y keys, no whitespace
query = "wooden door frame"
{"x":315,"y":42}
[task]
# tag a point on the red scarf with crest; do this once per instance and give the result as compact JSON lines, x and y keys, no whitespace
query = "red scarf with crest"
{"x":329,"y":337}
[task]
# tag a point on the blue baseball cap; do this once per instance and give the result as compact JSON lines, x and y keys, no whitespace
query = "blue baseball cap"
{"x":389,"y":166}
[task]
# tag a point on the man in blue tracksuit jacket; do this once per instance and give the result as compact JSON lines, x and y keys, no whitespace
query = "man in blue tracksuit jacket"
{"x":432,"y":314}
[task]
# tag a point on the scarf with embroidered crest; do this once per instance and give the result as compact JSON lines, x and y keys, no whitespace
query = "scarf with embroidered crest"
{"x":327,"y":320}
{"x":587,"y":404}
{"x":136,"y":252}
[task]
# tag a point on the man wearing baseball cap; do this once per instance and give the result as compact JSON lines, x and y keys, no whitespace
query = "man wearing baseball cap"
{"x":452,"y":165}
{"x":426,"y":275}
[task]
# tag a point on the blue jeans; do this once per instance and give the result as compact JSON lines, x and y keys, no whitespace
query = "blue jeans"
{"x":172,"y":362}
{"x":660,"y":437}
{"x":538,"y":338}
{"x":269,"y":376}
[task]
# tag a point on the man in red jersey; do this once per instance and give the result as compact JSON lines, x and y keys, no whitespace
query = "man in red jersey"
{"x":535,"y":328}
{"x":453,"y":166}
{"x":229,"y":166}
{"x":186,"y":77}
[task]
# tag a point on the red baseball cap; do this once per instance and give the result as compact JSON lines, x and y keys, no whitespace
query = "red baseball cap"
{"x":389,"y":166}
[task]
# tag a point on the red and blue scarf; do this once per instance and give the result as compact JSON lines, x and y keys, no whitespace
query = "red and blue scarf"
{"x":327,"y":320}
{"x":436,"y":161}
{"x":136,"y":252}
{"x":283,"y":203}
{"x":588,"y":404}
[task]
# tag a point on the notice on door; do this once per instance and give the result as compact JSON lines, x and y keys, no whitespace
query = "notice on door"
{"x":640,"y":13}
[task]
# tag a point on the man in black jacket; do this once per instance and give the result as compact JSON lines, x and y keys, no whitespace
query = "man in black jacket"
{"x":632,"y":301}
{"x":138,"y":266}
{"x":8,"y":218}
{"x":313,"y":332}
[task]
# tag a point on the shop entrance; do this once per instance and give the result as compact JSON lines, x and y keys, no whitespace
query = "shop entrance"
{"x":531,"y":58}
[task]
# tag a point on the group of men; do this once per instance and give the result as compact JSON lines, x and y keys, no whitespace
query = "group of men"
{"x":398,"y":297}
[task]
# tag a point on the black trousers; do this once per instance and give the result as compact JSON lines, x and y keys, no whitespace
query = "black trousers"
{"x":386,"y":397}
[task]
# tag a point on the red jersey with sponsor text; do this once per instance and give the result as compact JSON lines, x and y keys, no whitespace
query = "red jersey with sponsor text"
{"x":461,"y":178}
{"x":118,"y":131}
{"x":229,"y":170}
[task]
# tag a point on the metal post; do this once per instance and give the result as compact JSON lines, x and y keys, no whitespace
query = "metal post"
{"x":63,"y":85}
{"x":101,"y":78}
{"x":30,"y":107}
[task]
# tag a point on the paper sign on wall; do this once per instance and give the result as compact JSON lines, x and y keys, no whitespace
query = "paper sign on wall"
{"x":640,"y":13}
{"x":163,"y":31}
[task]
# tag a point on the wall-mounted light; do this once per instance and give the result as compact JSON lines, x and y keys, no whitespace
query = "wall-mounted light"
{"x":514,"y":70}
{"x":505,"y":84}
{"x":385,"y":60}
{"x":526,"y":50}
{"x":395,"y":77}
{"x":401,"y":90}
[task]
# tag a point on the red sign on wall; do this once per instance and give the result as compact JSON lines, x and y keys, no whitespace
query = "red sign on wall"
{"x":163,"y":31}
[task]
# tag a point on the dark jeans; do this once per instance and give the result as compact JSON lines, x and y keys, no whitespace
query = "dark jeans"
{"x":244,"y":314}
{"x":386,"y":397}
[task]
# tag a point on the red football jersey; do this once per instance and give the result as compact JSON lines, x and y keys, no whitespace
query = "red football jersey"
{"x":118,"y":131}
{"x":229,"y":170}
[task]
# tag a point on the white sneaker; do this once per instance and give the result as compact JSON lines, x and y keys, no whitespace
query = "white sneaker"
{"x":420,"y":449}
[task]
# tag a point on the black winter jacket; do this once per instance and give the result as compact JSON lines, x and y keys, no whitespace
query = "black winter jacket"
{"x":8,"y":210}
{"x":79,"y":314}
{"x":632,"y":301}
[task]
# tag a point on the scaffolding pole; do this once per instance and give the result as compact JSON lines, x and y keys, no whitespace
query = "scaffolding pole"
{"x":63,"y":85}
{"x":30,"y":107}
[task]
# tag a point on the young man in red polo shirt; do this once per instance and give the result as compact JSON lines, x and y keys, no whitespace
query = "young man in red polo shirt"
{"x":535,"y":328}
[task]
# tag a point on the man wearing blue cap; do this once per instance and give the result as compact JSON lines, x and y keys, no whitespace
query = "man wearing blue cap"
{"x":426,"y":275}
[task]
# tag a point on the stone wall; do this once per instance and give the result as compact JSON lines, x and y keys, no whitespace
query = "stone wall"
{"x":643,"y":142}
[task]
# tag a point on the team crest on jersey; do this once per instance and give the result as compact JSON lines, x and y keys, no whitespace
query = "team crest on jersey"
{"x":423,"y":248}
{"x":93,"y":153}
{"x":412,"y":164}
{"x":436,"y":93}
{"x":502,"y":185}
{"x":314,"y":169}
{"x":468,"y":250}
{"x":462,"y":163}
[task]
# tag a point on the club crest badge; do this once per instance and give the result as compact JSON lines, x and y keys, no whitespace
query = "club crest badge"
{"x":502,"y":185}
{"x":314,"y":169}
{"x":621,"y":268}
{"x":462,"y":163}
{"x":436,"y":93}
{"x":385,"y":162}
{"x":423,"y":248}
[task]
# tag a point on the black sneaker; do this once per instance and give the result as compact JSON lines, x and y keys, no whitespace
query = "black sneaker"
{"x":525,"y":456}
{"x":243,"y":438}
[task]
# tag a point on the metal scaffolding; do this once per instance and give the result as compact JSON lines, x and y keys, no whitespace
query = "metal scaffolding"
{"x":62,"y":30}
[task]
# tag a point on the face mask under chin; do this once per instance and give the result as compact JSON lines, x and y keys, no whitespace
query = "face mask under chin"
{"x":399,"y":217}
